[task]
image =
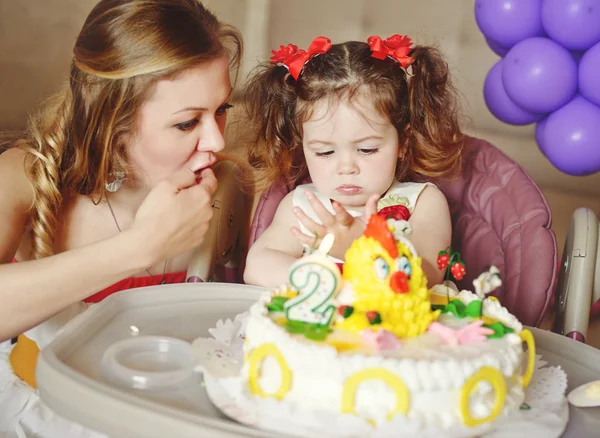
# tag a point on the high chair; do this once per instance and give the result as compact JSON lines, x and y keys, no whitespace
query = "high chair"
{"x":579,"y":279}
{"x":499,"y":216}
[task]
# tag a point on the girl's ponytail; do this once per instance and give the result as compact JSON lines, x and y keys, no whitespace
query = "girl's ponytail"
{"x":435,"y":140}
{"x":270,"y":100}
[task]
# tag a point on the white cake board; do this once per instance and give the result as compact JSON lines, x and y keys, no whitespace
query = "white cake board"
{"x":221,"y":359}
{"x":69,"y":380}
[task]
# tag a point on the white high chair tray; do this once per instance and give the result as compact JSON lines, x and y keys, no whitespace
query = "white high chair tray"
{"x":69,"y":380}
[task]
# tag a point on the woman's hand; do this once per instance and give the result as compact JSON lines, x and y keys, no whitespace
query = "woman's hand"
{"x":175,"y":215}
{"x":344,"y":227}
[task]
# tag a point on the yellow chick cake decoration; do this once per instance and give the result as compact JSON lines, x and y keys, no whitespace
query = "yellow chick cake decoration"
{"x":386,"y":288}
{"x":382,"y":296}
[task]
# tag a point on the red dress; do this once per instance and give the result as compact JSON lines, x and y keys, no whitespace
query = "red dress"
{"x":23,"y":356}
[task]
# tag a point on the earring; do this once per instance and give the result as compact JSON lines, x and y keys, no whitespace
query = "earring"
{"x":116,"y":183}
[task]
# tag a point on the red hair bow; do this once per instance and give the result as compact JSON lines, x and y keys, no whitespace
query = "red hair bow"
{"x":396,"y":46}
{"x":294,"y":58}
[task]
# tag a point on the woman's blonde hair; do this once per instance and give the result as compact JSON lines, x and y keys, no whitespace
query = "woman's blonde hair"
{"x":76,"y":142}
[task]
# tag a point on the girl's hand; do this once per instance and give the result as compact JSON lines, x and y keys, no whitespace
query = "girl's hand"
{"x":175,"y":215}
{"x":345,"y":228}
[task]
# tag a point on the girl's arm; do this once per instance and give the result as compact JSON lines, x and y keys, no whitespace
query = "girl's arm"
{"x":33,"y":291}
{"x":431,"y":231}
{"x":271,"y":256}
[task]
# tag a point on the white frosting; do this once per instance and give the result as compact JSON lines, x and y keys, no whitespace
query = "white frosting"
{"x":493,"y":309}
{"x":433,"y":373}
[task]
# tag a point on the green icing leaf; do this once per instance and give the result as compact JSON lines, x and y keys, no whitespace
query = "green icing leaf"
{"x":314,"y":332}
{"x":456,"y":307}
{"x":297,"y":327}
{"x":317,"y":332}
{"x":276,"y":304}
{"x":499,"y":330}
{"x":460,"y":310}
{"x":525,"y":407}
{"x":474,"y":309}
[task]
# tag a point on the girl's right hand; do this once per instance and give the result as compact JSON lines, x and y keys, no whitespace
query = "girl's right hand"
{"x":344,"y":227}
{"x":175,"y":215}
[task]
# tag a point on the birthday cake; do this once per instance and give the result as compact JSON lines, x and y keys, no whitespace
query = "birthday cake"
{"x":376,"y":342}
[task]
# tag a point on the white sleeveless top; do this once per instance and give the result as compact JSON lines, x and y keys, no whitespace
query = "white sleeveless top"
{"x":406,"y":194}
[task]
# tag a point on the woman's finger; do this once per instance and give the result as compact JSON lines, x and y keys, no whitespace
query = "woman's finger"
{"x":181,"y":179}
{"x":208,"y":180}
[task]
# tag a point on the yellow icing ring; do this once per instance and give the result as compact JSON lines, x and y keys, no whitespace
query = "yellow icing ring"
{"x":495,"y":378}
{"x":256,"y":359}
{"x":389,"y":378}
{"x":342,"y":346}
{"x":527,"y":337}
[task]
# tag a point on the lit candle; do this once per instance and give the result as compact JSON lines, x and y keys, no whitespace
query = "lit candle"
{"x":317,"y":279}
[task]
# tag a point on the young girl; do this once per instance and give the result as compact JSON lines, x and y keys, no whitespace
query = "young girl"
{"x":111,"y":187}
{"x":363,"y":120}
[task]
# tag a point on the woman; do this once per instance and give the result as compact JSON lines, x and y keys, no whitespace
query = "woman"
{"x":111,"y":187}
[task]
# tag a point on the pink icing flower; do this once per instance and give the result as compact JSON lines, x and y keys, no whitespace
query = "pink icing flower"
{"x":381,"y":339}
{"x":469,"y":334}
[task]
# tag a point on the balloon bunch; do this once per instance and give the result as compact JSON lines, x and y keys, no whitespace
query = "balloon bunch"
{"x":549,"y":73}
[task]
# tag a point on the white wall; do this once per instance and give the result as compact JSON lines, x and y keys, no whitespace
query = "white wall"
{"x":36,"y":38}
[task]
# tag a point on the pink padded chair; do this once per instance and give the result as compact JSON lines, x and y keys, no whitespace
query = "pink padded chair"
{"x":499,"y":216}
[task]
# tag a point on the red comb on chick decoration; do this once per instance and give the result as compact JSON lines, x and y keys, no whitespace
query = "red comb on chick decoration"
{"x":377,"y":228}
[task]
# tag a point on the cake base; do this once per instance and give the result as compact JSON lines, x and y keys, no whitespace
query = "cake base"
{"x":221,"y":361}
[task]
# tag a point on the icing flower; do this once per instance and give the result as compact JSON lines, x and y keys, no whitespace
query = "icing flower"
{"x":400,"y":228}
{"x":381,"y":339}
{"x":487,"y":282}
{"x":397,"y":217}
{"x":285,"y":291}
{"x":472,"y":333}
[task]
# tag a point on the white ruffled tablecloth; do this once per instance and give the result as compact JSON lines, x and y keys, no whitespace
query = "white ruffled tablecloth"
{"x":221,"y":357}
{"x":22,"y":413}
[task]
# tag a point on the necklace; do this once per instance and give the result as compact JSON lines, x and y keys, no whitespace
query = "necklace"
{"x":162,"y":280}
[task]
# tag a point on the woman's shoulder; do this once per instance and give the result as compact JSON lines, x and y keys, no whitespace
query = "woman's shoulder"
{"x":15,"y":187}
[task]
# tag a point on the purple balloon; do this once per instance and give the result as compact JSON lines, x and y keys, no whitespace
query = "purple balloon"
{"x":496,"y":48}
{"x":539,"y":75}
{"x":589,"y":72}
{"x":540,"y":129}
{"x":577,"y":55}
{"x":571,"y":137}
{"x":498,"y":102}
{"x":574,"y":24}
{"x":507,"y":22}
